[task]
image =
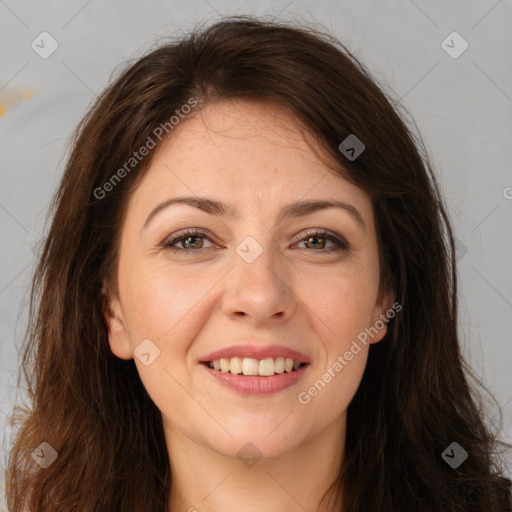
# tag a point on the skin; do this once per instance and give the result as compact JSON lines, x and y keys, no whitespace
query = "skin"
{"x":297,"y":294}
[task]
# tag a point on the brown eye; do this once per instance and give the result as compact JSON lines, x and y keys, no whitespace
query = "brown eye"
{"x":313,"y":240}
{"x":193,"y":240}
{"x":319,"y":239}
{"x":190,"y":241}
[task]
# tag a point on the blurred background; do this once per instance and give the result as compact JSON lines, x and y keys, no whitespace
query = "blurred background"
{"x":449,"y":62}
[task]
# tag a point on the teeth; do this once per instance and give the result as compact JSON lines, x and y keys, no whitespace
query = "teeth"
{"x":235,"y":366}
{"x":266,"y":367}
{"x":250,"y":366}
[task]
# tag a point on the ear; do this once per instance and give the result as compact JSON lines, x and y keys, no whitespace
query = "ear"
{"x":117,"y":333}
{"x":382,"y":312}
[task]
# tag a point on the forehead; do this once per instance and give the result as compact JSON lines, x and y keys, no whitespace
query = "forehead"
{"x":246,"y":117}
{"x":244,"y":153}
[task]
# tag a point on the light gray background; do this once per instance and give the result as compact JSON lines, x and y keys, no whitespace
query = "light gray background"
{"x":462,"y":107}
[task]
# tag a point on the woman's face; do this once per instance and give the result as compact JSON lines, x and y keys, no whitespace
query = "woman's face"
{"x":253,"y":279}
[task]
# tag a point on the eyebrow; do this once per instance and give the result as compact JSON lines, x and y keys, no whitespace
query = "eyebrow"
{"x":295,"y":209}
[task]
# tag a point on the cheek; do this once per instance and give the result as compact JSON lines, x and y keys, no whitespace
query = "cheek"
{"x":330,"y":391}
{"x":342,"y":307}
{"x":159,"y":306}
{"x":342,"y":300}
{"x":161,"y":302}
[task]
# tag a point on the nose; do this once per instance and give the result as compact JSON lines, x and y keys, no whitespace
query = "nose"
{"x":260,"y":292}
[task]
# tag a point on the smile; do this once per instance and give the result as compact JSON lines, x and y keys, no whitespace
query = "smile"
{"x":250,"y":366}
{"x":251,"y":376}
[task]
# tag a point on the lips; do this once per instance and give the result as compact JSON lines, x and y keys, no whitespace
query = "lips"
{"x":256,"y":352}
{"x":257,"y":384}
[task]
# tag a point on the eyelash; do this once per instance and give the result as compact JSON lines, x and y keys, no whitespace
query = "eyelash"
{"x":168,"y":244}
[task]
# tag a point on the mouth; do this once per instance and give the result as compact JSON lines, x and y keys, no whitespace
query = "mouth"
{"x":249,"y":376}
{"x":249,"y":366}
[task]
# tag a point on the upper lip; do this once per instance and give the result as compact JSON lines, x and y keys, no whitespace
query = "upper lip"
{"x":256,"y":352}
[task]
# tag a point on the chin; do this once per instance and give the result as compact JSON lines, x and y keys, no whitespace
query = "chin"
{"x":250,"y":447}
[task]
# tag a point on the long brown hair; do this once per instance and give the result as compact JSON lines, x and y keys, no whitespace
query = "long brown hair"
{"x":415,"y":398}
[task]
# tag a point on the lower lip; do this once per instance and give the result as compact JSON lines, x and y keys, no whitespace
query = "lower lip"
{"x":257,"y":385}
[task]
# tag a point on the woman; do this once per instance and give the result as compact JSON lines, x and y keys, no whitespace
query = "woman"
{"x":247,"y":298}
